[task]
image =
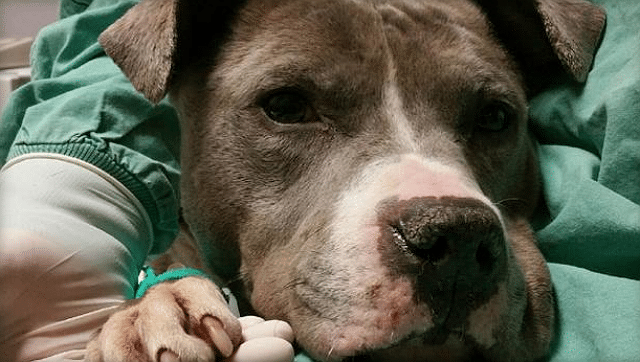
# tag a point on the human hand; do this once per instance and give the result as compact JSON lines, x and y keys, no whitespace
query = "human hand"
{"x":264,"y":341}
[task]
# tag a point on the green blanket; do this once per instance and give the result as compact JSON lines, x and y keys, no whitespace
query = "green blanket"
{"x":589,"y":139}
{"x":590,"y":159}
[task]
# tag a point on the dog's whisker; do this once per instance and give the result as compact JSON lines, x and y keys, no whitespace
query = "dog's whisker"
{"x":333,"y":346}
{"x":232,"y":281}
{"x":504,"y":202}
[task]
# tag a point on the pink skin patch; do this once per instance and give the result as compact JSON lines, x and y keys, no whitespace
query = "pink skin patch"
{"x":392,"y":316}
{"x":416,"y":179}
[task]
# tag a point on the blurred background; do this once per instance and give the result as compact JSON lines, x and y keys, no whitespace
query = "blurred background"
{"x":20,"y":21}
{"x":20,"y":18}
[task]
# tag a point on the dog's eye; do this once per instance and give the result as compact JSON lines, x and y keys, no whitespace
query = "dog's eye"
{"x":287,"y":108}
{"x":494,"y":117}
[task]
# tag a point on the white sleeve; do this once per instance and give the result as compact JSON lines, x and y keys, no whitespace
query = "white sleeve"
{"x":72,"y":240}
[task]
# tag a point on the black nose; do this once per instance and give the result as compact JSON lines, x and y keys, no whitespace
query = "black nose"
{"x":454,"y":248}
{"x":462,"y":231}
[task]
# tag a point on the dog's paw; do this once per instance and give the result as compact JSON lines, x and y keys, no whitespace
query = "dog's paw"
{"x":183,"y":320}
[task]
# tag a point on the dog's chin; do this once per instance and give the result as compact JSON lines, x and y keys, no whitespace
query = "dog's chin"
{"x":434,"y":345}
{"x":337,"y":325}
{"x":438,"y":345}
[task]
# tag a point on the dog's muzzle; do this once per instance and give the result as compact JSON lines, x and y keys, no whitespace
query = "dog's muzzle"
{"x":452,"y":248}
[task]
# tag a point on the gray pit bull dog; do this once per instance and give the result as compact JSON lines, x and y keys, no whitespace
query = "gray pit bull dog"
{"x":363,"y":167}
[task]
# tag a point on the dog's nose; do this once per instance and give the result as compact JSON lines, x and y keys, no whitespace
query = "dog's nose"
{"x":441,"y":231}
{"x":453,"y":247}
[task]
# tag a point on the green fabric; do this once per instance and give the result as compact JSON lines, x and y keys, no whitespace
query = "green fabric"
{"x":81,"y":105}
{"x":598,"y":317}
{"x":590,"y":161}
{"x":590,"y":155}
{"x":152,"y":279}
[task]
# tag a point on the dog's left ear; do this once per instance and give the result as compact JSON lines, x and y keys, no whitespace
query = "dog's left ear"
{"x":540,"y":33}
{"x":156,"y":37}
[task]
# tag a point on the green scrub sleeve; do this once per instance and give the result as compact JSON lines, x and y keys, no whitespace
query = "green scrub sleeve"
{"x":79,"y":104}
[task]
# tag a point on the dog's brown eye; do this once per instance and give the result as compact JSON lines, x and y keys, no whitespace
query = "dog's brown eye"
{"x":287,"y":108}
{"x":494,"y":118}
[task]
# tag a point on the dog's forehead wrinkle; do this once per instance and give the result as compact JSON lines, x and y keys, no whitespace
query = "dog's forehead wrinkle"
{"x":338,"y":84}
{"x":400,"y":13}
{"x":398,"y":120}
{"x":468,"y":59}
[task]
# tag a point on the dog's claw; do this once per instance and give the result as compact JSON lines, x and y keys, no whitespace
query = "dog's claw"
{"x":218,"y":335}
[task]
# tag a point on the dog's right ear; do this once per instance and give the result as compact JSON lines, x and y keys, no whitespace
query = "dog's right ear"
{"x":142,"y":44}
{"x":156,"y":37}
{"x":544,"y":35}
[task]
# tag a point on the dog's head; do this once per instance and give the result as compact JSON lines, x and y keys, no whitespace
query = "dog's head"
{"x":365,"y":164}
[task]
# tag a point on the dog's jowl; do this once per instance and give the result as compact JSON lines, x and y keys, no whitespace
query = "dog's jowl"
{"x":364,"y":166}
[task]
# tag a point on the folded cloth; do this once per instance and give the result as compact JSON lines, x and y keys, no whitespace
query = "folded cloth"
{"x":590,"y":155}
{"x":590,"y":160}
{"x":79,"y":104}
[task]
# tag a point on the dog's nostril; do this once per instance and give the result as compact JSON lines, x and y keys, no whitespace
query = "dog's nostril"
{"x":433,"y":251}
{"x":439,"y":250}
{"x":485,"y":258}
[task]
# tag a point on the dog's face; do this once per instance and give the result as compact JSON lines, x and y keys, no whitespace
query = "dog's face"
{"x":360,"y":155}
{"x":366,"y":166}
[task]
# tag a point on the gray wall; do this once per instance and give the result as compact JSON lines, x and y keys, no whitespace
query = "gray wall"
{"x":20,"y":18}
